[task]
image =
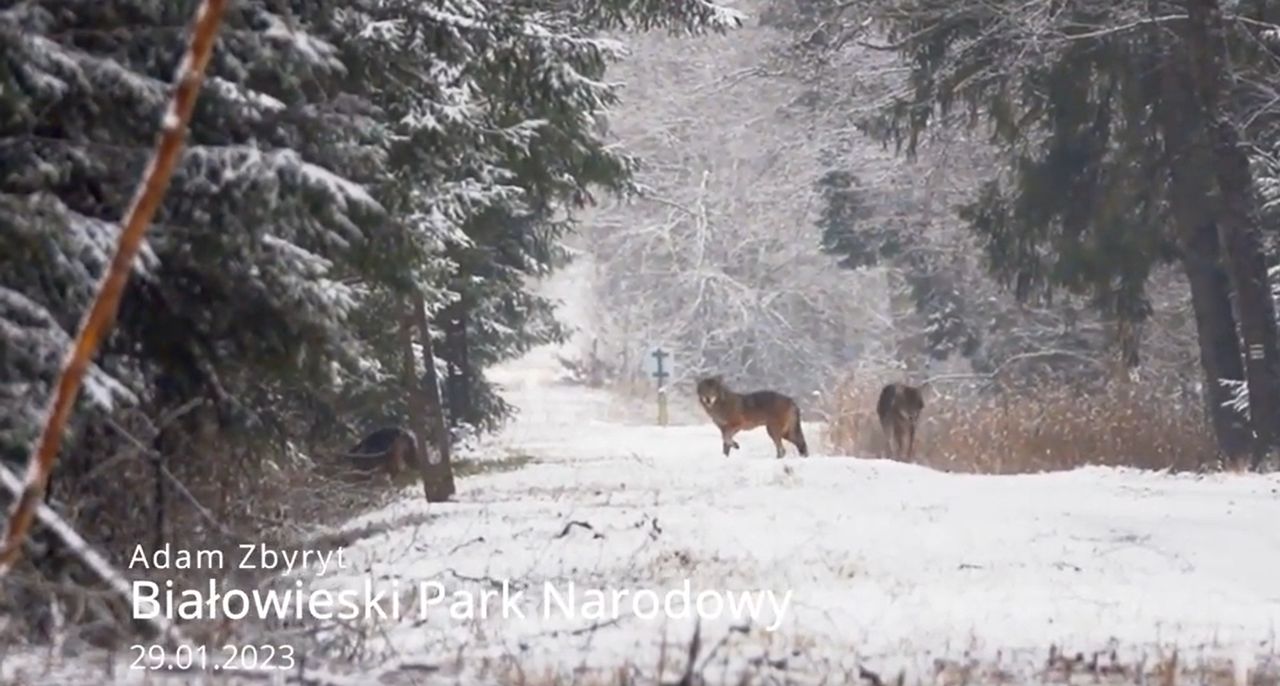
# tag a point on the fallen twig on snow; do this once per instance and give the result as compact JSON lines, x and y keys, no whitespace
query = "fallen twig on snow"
{"x":569,"y":527}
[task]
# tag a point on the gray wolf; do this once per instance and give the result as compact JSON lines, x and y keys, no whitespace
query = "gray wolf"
{"x":734,"y":412}
{"x":899,"y":410}
{"x":389,"y":448}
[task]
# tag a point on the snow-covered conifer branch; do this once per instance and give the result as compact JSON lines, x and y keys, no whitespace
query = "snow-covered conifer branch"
{"x":97,"y":322}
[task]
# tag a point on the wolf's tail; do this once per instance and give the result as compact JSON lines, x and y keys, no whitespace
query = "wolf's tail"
{"x":797,"y":435}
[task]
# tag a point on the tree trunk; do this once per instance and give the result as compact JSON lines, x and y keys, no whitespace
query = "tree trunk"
{"x":1216,"y":328}
{"x":1127,"y":340}
{"x":458,"y":384}
{"x":417,"y":402}
{"x":1192,"y":203}
{"x":438,"y":475}
{"x":466,"y":405}
{"x":907,"y":324}
{"x":1238,"y":226}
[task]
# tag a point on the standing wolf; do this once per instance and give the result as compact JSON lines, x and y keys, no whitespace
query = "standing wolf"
{"x":899,"y":409}
{"x":734,"y":412}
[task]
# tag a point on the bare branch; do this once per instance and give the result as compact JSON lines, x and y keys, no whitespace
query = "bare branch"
{"x":169,"y":476}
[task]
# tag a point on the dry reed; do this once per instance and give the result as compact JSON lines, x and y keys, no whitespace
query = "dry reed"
{"x":1048,"y":428}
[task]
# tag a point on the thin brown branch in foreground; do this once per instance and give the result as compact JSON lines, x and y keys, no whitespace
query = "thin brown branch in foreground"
{"x":155,"y":181}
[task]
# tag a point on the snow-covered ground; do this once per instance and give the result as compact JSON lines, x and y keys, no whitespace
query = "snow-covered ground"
{"x":889,"y":566}
{"x":873,"y":564}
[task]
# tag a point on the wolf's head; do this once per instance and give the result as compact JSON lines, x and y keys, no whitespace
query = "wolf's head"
{"x":711,"y":391}
{"x":911,"y":404}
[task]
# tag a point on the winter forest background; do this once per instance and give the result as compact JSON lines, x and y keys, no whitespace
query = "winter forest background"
{"x":1060,"y":214}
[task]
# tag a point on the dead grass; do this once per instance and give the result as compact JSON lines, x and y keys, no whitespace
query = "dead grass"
{"x":206,"y":509}
{"x":463,"y":467}
{"x":1036,"y":666}
{"x":1017,"y":667}
{"x":1046,"y":429}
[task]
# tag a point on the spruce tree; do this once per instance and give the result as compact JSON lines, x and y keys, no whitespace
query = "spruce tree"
{"x":346,"y":162}
{"x":239,"y":284}
{"x":491,"y":160}
{"x":1106,"y":177}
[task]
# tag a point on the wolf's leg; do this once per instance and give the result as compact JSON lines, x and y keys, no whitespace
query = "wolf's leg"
{"x":797,"y":439}
{"x":396,"y":458}
{"x":900,"y":436}
{"x":796,"y":435}
{"x":726,"y":436}
{"x":775,"y":433}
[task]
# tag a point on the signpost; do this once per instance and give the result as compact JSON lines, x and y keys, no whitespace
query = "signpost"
{"x":660,"y":373}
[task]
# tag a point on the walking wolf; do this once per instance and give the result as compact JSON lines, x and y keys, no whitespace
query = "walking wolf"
{"x":899,"y":410}
{"x":389,"y":448}
{"x":735,"y":412}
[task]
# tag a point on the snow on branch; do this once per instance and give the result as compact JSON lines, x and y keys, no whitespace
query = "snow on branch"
{"x":66,"y":66}
{"x":303,"y":278}
{"x":313,"y":49}
{"x":723,"y":17}
{"x":235,"y":161}
{"x":1239,"y":400}
{"x":238,"y":93}
{"x":32,"y":331}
